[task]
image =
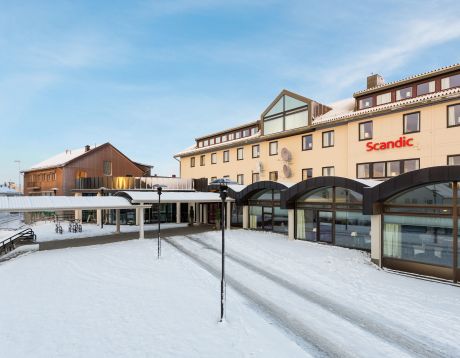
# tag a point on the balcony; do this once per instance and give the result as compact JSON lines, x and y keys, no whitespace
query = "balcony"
{"x":133,"y":183}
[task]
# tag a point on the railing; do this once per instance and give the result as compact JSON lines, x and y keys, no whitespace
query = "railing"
{"x":9,"y":243}
{"x":133,"y":183}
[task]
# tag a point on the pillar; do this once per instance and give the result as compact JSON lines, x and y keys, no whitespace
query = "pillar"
{"x":205,"y":213}
{"x":138,"y":215}
{"x":98,"y":214}
{"x":191,"y":205}
{"x":117,"y":220}
{"x":228,"y":212}
{"x":198,"y":213}
{"x":291,"y":224}
{"x":177,"y":213}
{"x":78,"y":213}
{"x":245,"y":217}
{"x":376,"y":239}
{"x":141,"y":222}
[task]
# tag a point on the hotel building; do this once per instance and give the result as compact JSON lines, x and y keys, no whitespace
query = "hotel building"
{"x":377,"y":171}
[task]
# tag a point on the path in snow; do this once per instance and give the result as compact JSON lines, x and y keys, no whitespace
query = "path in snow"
{"x":382,"y":337}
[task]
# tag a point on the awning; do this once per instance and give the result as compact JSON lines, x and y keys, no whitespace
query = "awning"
{"x":150,"y":197}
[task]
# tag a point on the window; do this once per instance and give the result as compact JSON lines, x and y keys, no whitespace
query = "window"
{"x":231,"y":136}
{"x":328,"y":139}
{"x":307,"y":173}
{"x":192,"y":162}
{"x":211,"y":141}
{"x":226,"y":156}
{"x":411,"y":123}
{"x":273,"y":148}
{"x":217,"y":140}
{"x":256,"y":151}
{"x":379,"y":170}
{"x":424,"y":88}
{"x":240,"y":179}
{"x":239,"y":154}
{"x":449,"y":82}
{"x":253,"y":130}
{"x":224,"y":138}
{"x":328,"y":171}
{"x":410,"y":165}
{"x":363,"y":171}
{"x":383,"y":98}
{"x":202,"y":158}
{"x":404,"y":93}
{"x":365,"y":103}
{"x":255,"y":177}
{"x":246,"y":133}
{"x":273,"y":176}
{"x":213,"y":158}
{"x":226,"y":177}
{"x":206,"y":142}
{"x":200,"y":144}
{"x":393,"y":168}
{"x":453,"y":115}
{"x":286,"y":114}
{"x":237,"y":135}
{"x":307,"y":142}
{"x":365,"y":130}
{"x":273,"y":125}
{"x":107,"y":167}
{"x":212,"y":179}
{"x":453,"y":159}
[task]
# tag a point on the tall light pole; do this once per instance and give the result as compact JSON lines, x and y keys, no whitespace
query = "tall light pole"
{"x":159,"y":188}
{"x":102,"y":189}
{"x":19,"y":174}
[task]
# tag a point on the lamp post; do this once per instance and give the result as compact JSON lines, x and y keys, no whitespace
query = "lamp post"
{"x":223,"y":193}
{"x":102,"y":189}
{"x":19,"y":174}
{"x":159,"y":188}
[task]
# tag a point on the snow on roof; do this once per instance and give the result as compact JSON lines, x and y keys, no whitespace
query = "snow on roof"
{"x":247,"y":124}
{"x":6,"y":190}
{"x":170,"y":196}
{"x":369,"y":182}
{"x":59,"y":159}
{"x":54,"y":203}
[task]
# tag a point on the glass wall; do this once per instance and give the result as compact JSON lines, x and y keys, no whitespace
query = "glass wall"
{"x":237,"y":215}
{"x":265,"y":212}
{"x":333,"y":215}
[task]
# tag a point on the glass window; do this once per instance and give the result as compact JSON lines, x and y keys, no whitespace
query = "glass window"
{"x":453,"y":115}
{"x":237,"y":135}
{"x":253,"y":130}
{"x":393,"y":168}
{"x":449,"y":82}
{"x":212,"y":179}
{"x":347,"y":196}
{"x":404,"y":93}
{"x":217,"y":140}
{"x":226,"y":156}
{"x":307,"y":173}
{"x":200,"y":144}
{"x":384,"y":98}
{"x":453,"y":160}
{"x":206,"y":142}
{"x":292,"y":103}
{"x":224,"y":138}
{"x":231,"y":136}
{"x":107,"y":167}
{"x":255,"y":217}
{"x":246,"y":133}
{"x":273,"y":148}
{"x":280,"y":220}
{"x":321,"y":195}
{"x":277,"y":108}
{"x":213,"y":158}
{"x":363,"y":171}
{"x":192,"y":162}
{"x":365,"y":103}
{"x":328,"y":171}
{"x":273,"y":176}
{"x":273,"y":125}
{"x":421,"y":239}
{"x":240,"y":179}
{"x":353,"y":230}
{"x":239,"y":154}
{"x":256,"y":151}
{"x":378,"y":170}
{"x":411,"y":123}
{"x":306,"y":222}
{"x":255,"y":177}
{"x":328,"y":139}
{"x":411,"y":164}
{"x":211,"y":141}
{"x":202,"y":158}
{"x":424,"y":88}
{"x":435,"y":194}
{"x":296,"y":120}
{"x":307,"y":142}
{"x":365,"y":130}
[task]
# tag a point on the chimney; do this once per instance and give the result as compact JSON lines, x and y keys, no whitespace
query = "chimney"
{"x":87,"y":148}
{"x":374,"y":81}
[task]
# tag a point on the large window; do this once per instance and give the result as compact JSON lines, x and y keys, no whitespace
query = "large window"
{"x":107,"y":168}
{"x":273,"y":148}
{"x":381,"y":170}
{"x":226,"y":156}
{"x":328,"y":171}
{"x":273,"y":176}
{"x":365,"y":103}
{"x":256,"y":151}
{"x":287,"y":113}
{"x":213,"y":158}
{"x":404,"y":93}
{"x":239,"y":154}
{"x":383,"y":98}
{"x":451,"y":81}
{"x":425,"y":88}
{"x":366,"y":130}
{"x":411,"y":123}
{"x":453,"y":115}
{"x":363,"y":171}
{"x":328,"y":139}
{"x":307,"y":173}
{"x":240,"y":179}
{"x":307,"y":142}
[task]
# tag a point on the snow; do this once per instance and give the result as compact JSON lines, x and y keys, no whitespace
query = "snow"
{"x":59,"y":159}
{"x":172,"y":196}
{"x":118,"y":300}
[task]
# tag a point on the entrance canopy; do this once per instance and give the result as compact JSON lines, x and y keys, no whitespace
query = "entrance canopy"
{"x":62,"y":203}
{"x":151,"y":197}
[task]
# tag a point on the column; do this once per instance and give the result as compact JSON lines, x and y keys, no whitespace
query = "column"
{"x":141,"y":222}
{"x":117,"y":220}
{"x":228,"y":212}
{"x":205,"y":213}
{"x":245,"y":217}
{"x":177,"y":213}
{"x":291,"y":224}
{"x":98,"y":214}
{"x":198,"y":213}
{"x":376,"y":230}
{"x":138,"y":214}
{"x":78,"y":213}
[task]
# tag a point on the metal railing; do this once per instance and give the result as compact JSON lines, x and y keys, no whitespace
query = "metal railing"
{"x":9,"y":243}
{"x":133,"y":183}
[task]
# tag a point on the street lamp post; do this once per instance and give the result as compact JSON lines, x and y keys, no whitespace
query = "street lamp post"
{"x":102,"y":189}
{"x":159,"y":188}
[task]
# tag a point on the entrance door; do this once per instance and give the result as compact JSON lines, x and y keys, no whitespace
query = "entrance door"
{"x":324,"y":233}
{"x":267,"y":218}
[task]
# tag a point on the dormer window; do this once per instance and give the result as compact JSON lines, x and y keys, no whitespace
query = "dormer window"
{"x":286,"y":114}
{"x":450,"y":82}
{"x":404,"y":93}
{"x":365,"y":103}
{"x":425,"y":88}
{"x":383,"y":98}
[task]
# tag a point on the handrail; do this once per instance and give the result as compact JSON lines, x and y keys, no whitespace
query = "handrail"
{"x":26,"y":233}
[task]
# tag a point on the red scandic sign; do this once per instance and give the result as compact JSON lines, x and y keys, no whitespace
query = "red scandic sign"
{"x":399,"y":143}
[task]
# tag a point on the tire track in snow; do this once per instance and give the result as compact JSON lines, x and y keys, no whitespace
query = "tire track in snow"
{"x":410,"y":342}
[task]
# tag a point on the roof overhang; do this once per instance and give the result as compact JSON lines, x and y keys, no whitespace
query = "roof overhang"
{"x":151,"y":197}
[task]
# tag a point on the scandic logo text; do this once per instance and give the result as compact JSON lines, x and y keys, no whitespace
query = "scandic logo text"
{"x":399,"y":143}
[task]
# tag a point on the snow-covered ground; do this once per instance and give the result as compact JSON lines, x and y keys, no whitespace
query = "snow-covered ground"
{"x":285,"y":299}
{"x":45,"y":230}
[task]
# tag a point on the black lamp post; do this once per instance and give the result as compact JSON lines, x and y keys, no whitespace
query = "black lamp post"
{"x":223,"y":193}
{"x":102,"y":189}
{"x":159,"y":188}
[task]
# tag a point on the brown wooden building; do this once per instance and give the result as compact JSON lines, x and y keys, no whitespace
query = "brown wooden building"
{"x":58,"y":175}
